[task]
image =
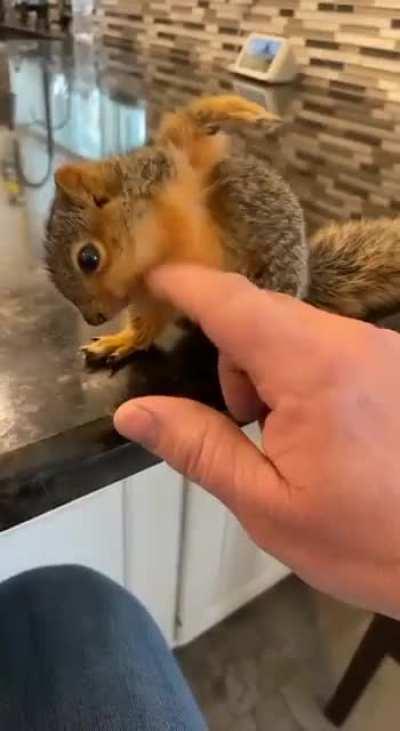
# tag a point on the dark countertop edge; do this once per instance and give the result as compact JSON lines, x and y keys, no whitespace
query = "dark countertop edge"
{"x":46,"y":474}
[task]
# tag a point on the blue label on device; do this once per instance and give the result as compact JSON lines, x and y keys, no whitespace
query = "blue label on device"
{"x":266,"y":47}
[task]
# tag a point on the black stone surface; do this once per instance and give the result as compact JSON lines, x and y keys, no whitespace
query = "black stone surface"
{"x":56,"y":437}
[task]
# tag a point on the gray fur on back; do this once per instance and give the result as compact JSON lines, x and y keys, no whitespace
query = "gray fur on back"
{"x":265,"y":224}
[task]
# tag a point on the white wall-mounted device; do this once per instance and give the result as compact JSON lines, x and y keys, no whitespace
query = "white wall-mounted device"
{"x":266,"y":58}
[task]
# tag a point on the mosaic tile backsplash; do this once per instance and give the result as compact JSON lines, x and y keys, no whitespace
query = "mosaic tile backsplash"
{"x":338,"y":146}
{"x":353,"y":41}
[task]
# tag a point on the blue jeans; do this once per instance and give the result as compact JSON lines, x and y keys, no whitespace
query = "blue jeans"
{"x":78,"y":653}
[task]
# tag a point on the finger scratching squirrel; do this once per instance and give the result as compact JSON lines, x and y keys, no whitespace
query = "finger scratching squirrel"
{"x":187,"y":198}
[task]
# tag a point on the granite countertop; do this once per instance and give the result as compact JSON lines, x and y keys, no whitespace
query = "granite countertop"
{"x":338,"y":147}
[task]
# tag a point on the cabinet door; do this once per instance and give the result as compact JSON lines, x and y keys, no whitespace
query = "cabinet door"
{"x":153,"y":514}
{"x":221,"y":568}
{"x":129,"y":531}
{"x":88,"y":531}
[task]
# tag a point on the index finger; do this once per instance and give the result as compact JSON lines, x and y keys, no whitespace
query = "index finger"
{"x":262,"y":332}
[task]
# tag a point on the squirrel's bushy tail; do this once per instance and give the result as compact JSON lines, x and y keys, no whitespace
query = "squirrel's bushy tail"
{"x":192,"y":128}
{"x":355,"y":268}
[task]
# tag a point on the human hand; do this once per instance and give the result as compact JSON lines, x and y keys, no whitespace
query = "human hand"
{"x":323,"y":495}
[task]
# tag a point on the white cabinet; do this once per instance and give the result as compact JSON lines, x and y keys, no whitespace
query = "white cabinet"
{"x":129,"y":531}
{"x":221,"y":568}
{"x":179,"y":551}
{"x":86,"y":531}
{"x":153,"y":515}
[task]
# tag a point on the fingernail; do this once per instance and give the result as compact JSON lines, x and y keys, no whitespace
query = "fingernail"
{"x":137,"y":424}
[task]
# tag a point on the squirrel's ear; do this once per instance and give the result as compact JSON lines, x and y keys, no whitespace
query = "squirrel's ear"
{"x":68,"y":178}
{"x":94,"y":182}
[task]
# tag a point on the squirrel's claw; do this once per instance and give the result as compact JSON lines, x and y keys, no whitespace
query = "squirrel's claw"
{"x":110,"y":350}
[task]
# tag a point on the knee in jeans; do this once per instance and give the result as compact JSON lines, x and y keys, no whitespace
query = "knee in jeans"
{"x":70,"y":576}
{"x":74,"y":580}
{"x":65,"y":580}
{"x":78,"y":589}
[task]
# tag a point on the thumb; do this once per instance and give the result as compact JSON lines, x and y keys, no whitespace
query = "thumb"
{"x":202,"y":444}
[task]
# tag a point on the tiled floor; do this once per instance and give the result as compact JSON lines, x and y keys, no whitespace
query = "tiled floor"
{"x":272,"y":666}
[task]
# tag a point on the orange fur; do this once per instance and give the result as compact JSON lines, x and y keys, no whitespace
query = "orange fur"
{"x":93,"y":180}
{"x":175,"y":223}
{"x":189,"y":128}
{"x":187,"y":229}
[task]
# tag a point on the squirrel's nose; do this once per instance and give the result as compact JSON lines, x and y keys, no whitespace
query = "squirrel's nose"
{"x":97,"y":319}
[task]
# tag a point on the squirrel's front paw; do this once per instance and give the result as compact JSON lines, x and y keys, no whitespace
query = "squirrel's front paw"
{"x":112,"y":349}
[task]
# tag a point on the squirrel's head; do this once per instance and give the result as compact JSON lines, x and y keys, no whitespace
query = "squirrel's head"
{"x":100,"y":237}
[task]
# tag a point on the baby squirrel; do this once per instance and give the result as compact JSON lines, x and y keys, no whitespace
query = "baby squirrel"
{"x":187,"y":198}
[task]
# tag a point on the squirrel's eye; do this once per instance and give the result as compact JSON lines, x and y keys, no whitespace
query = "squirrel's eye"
{"x":89,"y":258}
